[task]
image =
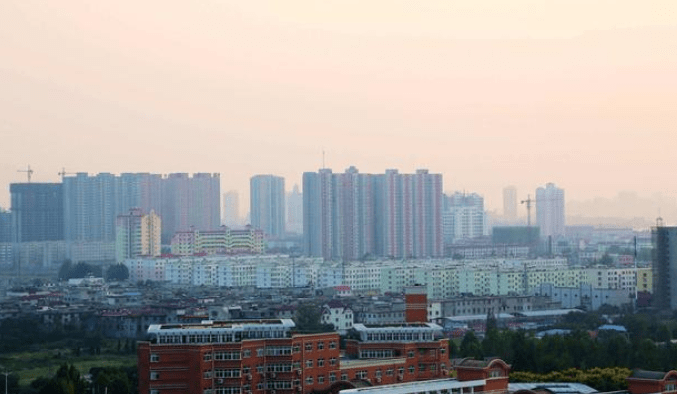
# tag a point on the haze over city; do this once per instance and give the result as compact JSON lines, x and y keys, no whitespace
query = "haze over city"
{"x":489,"y":94}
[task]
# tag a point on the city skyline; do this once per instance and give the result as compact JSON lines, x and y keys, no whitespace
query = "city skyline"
{"x":578,"y":93}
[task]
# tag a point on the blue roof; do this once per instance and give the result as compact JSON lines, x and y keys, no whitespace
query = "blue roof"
{"x":612,"y":327}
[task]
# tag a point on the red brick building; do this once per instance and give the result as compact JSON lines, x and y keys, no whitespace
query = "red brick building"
{"x":236,"y":358}
{"x":266,"y":356}
{"x":493,"y":371}
{"x":644,"y":382}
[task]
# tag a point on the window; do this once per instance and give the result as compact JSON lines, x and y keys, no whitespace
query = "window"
{"x":412,"y":369}
{"x":309,"y":363}
{"x":320,"y":379}
{"x":410,"y":354}
{"x":259,"y":352}
{"x":259,"y":368}
{"x":154,"y":358}
{"x":227,"y":373}
{"x":390,"y":371}
{"x":207,"y":374}
{"x":320,"y":362}
{"x":309,"y":347}
{"x":332,"y":345}
{"x":344,"y":376}
{"x":154,"y":391}
{"x":154,"y":375}
{"x":207,"y":357}
{"x":309,"y":380}
{"x":246,"y":370}
{"x":247,"y":353}
{"x":332,"y":377}
{"x":332,"y":361}
{"x":320,"y":345}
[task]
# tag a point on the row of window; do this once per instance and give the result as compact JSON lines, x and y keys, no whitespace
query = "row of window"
{"x":400,"y":336}
{"x":219,"y":338}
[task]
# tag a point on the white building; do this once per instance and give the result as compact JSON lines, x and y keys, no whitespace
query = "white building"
{"x":137,"y":234}
{"x":550,"y":210}
{"x":338,"y":315}
{"x":464,"y":217}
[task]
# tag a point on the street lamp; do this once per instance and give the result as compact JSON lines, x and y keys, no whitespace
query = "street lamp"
{"x":6,"y":373}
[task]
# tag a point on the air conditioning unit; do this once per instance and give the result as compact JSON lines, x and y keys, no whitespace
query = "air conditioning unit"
{"x":400,"y":377}
{"x":249,"y":376}
{"x":298,"y":372}
{"x":219,"y":381}
{"x":273,"y":375}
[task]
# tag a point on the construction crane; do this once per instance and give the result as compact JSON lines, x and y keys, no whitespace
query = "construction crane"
{"x":63,"y":173}
{"x":529,"y":202}
{"x":28,"y":172}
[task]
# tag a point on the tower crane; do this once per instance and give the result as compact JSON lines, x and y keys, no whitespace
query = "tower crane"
{"x":63,"y":173}
{"x":28,"y":172}
{"x":529,"y":202}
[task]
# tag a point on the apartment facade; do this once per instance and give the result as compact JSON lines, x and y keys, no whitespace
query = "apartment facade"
{"x":350,"y":216}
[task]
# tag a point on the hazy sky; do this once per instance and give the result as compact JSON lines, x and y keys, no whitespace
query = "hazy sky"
{"x":582,"y":93}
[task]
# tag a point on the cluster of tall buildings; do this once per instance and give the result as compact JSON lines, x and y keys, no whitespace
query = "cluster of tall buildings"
{"x":351,"y":216}
{"x":90,"y":209}
{"x":548,"y":208}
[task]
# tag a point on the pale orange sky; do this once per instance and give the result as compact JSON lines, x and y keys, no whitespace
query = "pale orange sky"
{"x":489,"y":93}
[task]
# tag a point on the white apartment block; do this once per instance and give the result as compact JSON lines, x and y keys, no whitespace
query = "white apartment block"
{"x":443,"y":278}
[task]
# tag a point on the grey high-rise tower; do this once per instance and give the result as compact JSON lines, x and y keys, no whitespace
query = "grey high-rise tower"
{"x":550,"y":210}
{"x":664,"y":267}
{"x":510,"y":202}
{"x":37,"y":212}
{"x":267,"y":204}
{"x":351,"y":215}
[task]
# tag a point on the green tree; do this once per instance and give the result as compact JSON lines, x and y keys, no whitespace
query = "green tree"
{"x":308,"y":318}
{"x":117,"y":272}
{"x":114,"y":380}
{"x":66,"y":381}
{"x":65,"y":270}
{"x":471,"y":346}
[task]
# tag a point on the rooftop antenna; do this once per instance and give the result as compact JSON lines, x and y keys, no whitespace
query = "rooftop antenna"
{"x":28,"y":172}
{"x":323,"y":167}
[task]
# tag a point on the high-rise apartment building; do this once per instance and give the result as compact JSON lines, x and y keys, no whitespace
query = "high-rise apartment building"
{"x":5,"y":226}
{"x":92,"y":203}
{"x":410,"y":206}
{"x":510,"y":202}
{"x":464,"y":217}
{"x":190,"y":202}
{"x":267,"y":204}
{"x":37,"y":212}
{"x":137,"y":234}
{"x":318,"y":210}
{"x":351,"y":215}
{"x":231,"y":209}
{"x":664,"y":267}
{"x":90,"y":207}
{"x":295,"y":211}
{"x":550,"y":210}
